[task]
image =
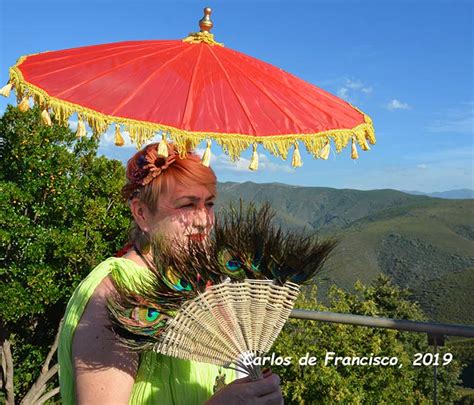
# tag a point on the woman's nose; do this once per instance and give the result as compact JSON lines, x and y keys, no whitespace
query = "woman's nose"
{"x":201,"y":218}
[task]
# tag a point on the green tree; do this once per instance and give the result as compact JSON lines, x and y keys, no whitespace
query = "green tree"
{"x":357,"y":384}
{"x":60,"y":215}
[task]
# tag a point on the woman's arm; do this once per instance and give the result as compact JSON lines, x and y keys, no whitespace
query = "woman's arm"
{"x":104,"y":371}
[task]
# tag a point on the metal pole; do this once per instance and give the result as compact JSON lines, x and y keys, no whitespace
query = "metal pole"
{"x":388,"y":323}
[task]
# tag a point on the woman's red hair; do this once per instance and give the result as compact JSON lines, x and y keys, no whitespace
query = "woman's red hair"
{"x":185,"y":171}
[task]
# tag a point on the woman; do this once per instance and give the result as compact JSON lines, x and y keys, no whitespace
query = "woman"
{"x":172,"y":197}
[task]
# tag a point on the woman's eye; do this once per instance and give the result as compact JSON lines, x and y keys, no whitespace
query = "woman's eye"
{"x":191,"y":205}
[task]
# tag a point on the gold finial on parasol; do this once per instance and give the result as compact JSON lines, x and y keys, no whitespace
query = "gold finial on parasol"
{"x":205,"y":23}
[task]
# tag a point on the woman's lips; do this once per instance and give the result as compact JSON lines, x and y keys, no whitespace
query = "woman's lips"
{"x":198,"y":237}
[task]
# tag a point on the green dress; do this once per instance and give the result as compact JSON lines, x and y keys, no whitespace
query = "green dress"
{"x":160,"y":379}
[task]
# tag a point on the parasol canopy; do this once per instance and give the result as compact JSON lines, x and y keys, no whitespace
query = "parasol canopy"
{"x":189,"y":91}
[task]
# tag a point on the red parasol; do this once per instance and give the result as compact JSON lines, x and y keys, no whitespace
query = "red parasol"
{"x":190,"y":90}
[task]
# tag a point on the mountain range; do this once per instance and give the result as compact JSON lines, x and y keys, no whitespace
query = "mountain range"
{"x":423,"y":243}
{"x":460,"y":194}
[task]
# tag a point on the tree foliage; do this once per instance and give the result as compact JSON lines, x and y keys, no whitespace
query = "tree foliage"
{"x":359,"y":384}
{"x":60,"y":214}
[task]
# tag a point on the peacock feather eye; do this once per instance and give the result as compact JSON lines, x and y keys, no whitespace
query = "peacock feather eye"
{"x":149,"y":321}
{"x":175,"y":282}
{"x":145,"y":315}
{"x":230,"y":263}
{"x":233,"y":265}
{"x":183,"y":285}
{"x":152,"y":314}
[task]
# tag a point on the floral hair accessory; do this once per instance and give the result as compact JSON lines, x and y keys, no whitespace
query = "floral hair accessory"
{"x":154,"y":165}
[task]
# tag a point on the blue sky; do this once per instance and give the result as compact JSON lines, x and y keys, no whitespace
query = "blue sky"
{"x":408,"y":64}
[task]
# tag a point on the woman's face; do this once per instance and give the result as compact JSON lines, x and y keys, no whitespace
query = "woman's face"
{"x":184,"y":213}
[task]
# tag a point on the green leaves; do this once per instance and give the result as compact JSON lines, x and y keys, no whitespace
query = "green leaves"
{"x":61,"y":213}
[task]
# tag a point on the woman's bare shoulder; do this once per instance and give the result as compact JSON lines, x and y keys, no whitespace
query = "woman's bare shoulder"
{"x":95,"y":314}
{"x":102,"y":367}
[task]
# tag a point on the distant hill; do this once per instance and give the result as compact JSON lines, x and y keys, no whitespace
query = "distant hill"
{"x":425,"y":244}
{"x":461,"y":194}
{"x":318,"y":208}
{"x":428,"y":249}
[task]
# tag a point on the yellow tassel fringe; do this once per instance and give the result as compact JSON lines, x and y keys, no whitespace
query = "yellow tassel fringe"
{"x":354,"y":153}
{"x":141,"y":132}
{"x":162,"y":147}
{"x":296,"y":161}
{"x":45,"y":117}
{"x":5,"y":90}
{"x":365,"y":146}
{"x":24,"y":104}
{"x":81,"y":129}
{"x":254,"y":161}
{"x":118,"y":139}
{"x":324,"y":153}
{"x":206,"y":156}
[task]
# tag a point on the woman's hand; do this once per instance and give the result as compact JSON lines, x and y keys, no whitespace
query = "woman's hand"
{"x":245,"y":391}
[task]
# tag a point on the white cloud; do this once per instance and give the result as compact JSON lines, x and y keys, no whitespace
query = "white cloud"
{"x":395,"y":104}
{"x":353,"y":84}
{"x":350,"y":88}
{"x":200,"y":152}
{"x":459,"y":119}
{"x":223,"y":162}
{"x":358,"y":85}
{"x":422,"y":166}
{"x":107,"y":139}
{"x":343,"y":93}
{"x":72,"y":124}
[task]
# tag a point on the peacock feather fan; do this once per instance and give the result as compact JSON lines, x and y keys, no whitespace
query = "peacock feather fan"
{"x":223,"y":300}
